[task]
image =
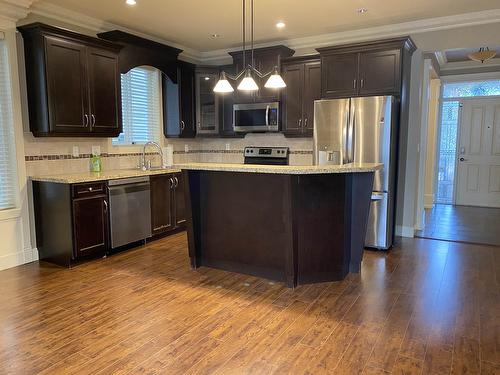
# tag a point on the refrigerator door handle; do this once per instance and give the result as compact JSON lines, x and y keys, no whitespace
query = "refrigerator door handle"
{"x":350,"y":133}
{"x":345,"y":127}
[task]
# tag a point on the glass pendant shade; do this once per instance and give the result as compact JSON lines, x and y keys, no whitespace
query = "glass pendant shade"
{"x":275,"y":81}
{"x":248,"y":83}
{"x":223,"y":85}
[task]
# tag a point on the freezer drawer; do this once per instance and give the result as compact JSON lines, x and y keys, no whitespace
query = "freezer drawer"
{"x":378,"y":232}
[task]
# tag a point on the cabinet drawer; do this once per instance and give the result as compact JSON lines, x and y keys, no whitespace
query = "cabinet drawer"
{"x":89,"y":189}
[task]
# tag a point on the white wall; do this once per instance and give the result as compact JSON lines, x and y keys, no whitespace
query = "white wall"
{"x":432,"y":135}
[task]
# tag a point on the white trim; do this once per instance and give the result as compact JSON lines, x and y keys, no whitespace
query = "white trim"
{"x":220,"y":56}
{"x":28,"y":255}
{"x":404,"y":231}
{"x":469,"y":78}
{"x":14,"y":10}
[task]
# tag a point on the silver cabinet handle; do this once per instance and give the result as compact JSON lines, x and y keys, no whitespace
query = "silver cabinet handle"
{"x":305,"y":123}
{"x":300,"y":122}
{"x":86,"y":122}
{"x":183,"y":125}
{"x":176,"y":182}
{"x":171,"y":183}
{"x":90,"y":189}
{"x":93,"y":120}
{"x":105,"y":206}
{"x":362,"y":82}
{"x":354,"y":83}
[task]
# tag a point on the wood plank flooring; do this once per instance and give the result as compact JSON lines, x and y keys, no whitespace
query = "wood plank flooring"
{"x":426,"y":307}
{"x":462,"y":223}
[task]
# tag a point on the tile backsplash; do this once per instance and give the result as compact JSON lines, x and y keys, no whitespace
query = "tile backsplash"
{"x":55,"y":155}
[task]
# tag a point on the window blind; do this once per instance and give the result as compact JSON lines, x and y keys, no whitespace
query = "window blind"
{"x":8,"y":173}
{"x":141,"y":106}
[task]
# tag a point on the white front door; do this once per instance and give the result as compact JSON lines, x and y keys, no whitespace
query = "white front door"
{"x":478,"y":178}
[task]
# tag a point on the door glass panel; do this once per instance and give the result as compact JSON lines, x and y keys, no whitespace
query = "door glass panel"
{"x":450,"y":112}
{"x":207,"y":102}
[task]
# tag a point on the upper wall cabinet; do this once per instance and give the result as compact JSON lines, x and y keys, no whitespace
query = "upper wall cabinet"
{"x":207,"y":101}
{"x":364,"y":69}
{"x":73,"y":83}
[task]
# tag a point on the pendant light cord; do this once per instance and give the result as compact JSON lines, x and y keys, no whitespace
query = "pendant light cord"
{"x":244,"y":50}
{"x":252,"y":62}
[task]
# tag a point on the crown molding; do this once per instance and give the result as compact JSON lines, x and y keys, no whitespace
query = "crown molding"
{"x":95,"y":25}
{"x":14,"y":10}
{"x":306,"y":45}
{"x":459,"y":65}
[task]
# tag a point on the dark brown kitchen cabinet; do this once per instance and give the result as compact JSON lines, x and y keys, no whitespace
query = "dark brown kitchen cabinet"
{"x":207,"y":101}
{"x":303,"y":80}
{"x":168,"y":210}
{"x":71,"y":221}
{"x":73,"y":83}
{"x":364,"y":69}
{"x":179,"y":103}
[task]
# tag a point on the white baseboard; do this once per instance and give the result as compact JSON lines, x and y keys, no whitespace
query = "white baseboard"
{"x":428,"y":200}
{"x":404,"y":231}
{"x":19,"y":258}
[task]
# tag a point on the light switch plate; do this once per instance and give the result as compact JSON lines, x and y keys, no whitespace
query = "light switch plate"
{"x":76,"y":152}
{"x":186,"y":148}
{"x":96,"y":150}
{"x":228,"y":146}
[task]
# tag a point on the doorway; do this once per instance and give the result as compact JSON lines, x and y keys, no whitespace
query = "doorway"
{"x":466,"y":198}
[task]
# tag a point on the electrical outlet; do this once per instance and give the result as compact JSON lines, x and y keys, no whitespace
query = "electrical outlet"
{"x":96,"y":150}
{"x":186,"y":148}
{"x":76,"y":152}
{"x":228,"y":146}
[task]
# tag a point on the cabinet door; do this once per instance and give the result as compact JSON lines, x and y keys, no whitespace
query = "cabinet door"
{"x":379,"y":72}
{"x":186,"y":102}
{"x":105,"y":88}
{"x":312,"y":92}
{"x":161,"y":203}
{"x":339,"y":75}
{"x":67,"y":89}
{"x":90,"y":225}
{"x":293,"y":75}
{"x":207,"y":103}
{"x":180,"y":204}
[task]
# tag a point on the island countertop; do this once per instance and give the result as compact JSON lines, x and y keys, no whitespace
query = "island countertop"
{"x":283,"y":169}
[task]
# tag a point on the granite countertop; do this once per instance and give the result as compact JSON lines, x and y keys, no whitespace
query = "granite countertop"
{"x":283,"y":169}
{"x":77,"y":178}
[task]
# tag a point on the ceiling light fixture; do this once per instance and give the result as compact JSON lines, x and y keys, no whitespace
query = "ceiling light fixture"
{"x":215,"y":35}
{"x":248,"y":83}
{"x":280,"y":25}
{"x":482,"y":55}
{"x":362,"y":10}
{"x":130,"y":2}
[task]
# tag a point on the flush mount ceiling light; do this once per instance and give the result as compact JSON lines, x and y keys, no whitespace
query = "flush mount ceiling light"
{"x":130,"y":2}
{"x":248,"y":83}
{"x":482,"y":55}
{"x":280,"y":25}
{"x":215,"y":35}
{"x":362,"y":10}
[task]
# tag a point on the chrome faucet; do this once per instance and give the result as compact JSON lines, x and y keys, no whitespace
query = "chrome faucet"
{"x":145,"y":166}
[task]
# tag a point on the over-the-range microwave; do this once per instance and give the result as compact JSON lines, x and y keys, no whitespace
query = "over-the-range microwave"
{"x":256,"y":117}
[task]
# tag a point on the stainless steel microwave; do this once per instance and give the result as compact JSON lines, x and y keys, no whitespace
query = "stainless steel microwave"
{"x":256,"y":117}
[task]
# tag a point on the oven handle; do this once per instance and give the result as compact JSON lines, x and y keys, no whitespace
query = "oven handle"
{"x":267,"y":115}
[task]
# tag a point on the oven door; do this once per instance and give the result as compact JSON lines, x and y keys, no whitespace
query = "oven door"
{"x":256,"y":117}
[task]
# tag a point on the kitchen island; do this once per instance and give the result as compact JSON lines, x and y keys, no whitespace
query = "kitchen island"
{"x":296,"y":224}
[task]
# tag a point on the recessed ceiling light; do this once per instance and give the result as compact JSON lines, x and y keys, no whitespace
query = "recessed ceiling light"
{"x":215,"y":35}
{"x":362,"y":10}
{"x":280,"y":25}
{"x":207,"y":78}
{"x":130,"y":2}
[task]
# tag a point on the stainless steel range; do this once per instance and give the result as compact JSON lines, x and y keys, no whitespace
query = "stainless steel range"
{"x":266,"y":155}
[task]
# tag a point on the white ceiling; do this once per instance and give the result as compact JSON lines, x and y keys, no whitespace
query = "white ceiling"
{"x":192,"y":22}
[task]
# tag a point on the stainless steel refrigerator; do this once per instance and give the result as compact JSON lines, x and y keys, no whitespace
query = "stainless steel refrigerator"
{"x":362,"y":130}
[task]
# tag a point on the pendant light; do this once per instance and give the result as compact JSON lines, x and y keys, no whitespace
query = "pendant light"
{"x":482,"y":55}
{"x":248,"y":83}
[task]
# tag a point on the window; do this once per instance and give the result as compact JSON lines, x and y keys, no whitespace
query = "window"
{"x":468,"y":89}
{"x":141,"y":106}
{"x":8,"y":176}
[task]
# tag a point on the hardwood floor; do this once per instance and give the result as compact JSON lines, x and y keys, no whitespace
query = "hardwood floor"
{"x":462,"y":223}
{"x":426,"y":307}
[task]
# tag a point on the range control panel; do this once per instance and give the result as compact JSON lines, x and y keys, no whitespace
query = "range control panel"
{"x":266,"y":155}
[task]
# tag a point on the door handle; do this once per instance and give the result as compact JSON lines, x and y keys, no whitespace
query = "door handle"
{"x":86,"y":120}
{"x":463,"y":159}
{"x":105,"y":206}
{"x":93,"y":120}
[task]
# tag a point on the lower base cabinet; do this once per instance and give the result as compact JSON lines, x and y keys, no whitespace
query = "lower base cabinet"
{"x":168,"y":211}
{"x":72,"y":221}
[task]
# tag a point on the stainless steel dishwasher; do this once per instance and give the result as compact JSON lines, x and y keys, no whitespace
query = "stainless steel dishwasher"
{"x":129,"y":210}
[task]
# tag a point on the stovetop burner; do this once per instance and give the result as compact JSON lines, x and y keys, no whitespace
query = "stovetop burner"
{"x":267,"y":155}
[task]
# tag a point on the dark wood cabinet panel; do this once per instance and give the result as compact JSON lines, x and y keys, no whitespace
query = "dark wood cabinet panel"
{"x":293,"y":75}
{"x":105,"y":92}
{"x":180,"y":203}
{"x":161,"y":204}
{"x":339,"y":74}
{"x":312,"y":92}
{"x":90,"y":226}
{"x":186,"y":101}
{"x":67,"y":86}
{"x":380,"y":72}
{"x":73,"y":83}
